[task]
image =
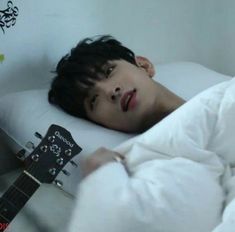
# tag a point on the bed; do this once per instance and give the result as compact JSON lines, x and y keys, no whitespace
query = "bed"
{"x":24,"y":112}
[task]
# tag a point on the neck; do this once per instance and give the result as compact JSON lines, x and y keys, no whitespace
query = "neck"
{"x":165,"y":104}
{"x":170,"y":103}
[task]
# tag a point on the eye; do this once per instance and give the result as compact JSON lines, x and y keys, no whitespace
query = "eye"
{"x":109,"y":70}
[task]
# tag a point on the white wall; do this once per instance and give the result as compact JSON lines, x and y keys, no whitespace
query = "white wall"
{"x":225,"y":34}
{"x":216,"y":33}
{"x":163,"y":30}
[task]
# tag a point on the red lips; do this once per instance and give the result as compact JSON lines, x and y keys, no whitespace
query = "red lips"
{"x":127,"y":98}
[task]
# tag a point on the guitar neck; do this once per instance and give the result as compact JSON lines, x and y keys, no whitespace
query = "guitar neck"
{"x":16,"y":196}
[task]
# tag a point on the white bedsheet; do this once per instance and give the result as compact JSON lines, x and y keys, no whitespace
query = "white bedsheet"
{"x":181,"y":174}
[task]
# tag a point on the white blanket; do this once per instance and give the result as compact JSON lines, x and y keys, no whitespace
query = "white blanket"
{"x":181,"y":174}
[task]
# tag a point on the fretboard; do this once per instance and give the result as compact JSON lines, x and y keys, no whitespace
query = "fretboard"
{"x":16,"y":197}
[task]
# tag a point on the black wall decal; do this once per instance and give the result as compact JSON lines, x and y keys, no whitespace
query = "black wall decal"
{"x":8,"y":16}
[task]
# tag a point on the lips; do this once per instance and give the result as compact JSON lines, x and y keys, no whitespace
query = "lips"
{"x":127,"y":97}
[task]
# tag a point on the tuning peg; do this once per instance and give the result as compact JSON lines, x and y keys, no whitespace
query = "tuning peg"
{"x":60,"y":161}
{"x":73,"y":163}
{"x":21,"y":154}
{"x":59,"y":183}
{"x":52,"y":171}
{"x":51,"y":139}
{"x":38,"y":135}
{"x":30,"y":145}
{"x":35,"y":157}
{"x":66,"y":172}
{"x":43,"y":148}
{"x":68,"y":152}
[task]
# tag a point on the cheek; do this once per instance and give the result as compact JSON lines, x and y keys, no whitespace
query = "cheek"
{"x":111,"y":118}
{"x":122,"y":122}
{"x":104,"y":113}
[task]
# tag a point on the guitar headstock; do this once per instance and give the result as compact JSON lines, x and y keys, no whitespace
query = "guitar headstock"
{"x":54,"y":151}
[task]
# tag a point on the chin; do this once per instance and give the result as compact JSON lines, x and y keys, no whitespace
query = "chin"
{"x":129,"y":129}
{"x":148,"y":122}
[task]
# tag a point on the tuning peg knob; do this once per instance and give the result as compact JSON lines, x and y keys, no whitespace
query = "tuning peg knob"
{"x":68,"y":152}
{"x":30,"y":145}
{"x":60,"y":161}
{"x":43,"y":148}
{"x":51,"y":139}
{"x":73,"y":163}
{"x":66,"y":172}
{"x":38,"y":135}
{"x":35,"y":157}
{"x":59,"y":183}
{"x":21,"y":154}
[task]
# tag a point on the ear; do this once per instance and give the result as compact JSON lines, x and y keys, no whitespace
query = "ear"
{"x":144,"y":63}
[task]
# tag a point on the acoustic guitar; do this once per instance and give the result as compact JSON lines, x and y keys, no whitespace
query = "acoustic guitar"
{"x":54,"y":151}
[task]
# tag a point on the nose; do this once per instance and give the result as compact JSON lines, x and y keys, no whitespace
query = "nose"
{"x":110,"y":91}
{"x":116,"y":92}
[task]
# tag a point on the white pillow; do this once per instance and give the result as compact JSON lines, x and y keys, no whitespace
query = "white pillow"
{"x":24,"y":113}
{"x":187,"y":79}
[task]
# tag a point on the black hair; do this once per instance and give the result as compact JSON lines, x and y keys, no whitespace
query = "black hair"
{"x":78,"y":71}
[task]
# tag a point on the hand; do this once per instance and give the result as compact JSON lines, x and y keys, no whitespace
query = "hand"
{"x":100,"y":157}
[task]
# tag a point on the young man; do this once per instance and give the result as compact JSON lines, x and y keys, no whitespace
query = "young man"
{"x":172,"y":176}
{"x":103,"y":81}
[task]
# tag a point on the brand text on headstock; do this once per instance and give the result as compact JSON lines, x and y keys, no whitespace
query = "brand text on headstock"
{"x":57,"y":133}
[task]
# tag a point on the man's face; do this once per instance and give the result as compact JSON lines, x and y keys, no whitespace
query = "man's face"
{"x":126,"y":99}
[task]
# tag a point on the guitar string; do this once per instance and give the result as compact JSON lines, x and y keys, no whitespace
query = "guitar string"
{"x":22,"y":180}
{"x":12,"y":192}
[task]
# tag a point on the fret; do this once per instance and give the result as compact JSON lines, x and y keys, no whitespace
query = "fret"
{"x":16,"y":196}
{"x":26,"y":184}
{"x":3,"y":219}
{"x":7,"y":210}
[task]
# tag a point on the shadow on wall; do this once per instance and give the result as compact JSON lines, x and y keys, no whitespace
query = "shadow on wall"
{"x":29,"y":74}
